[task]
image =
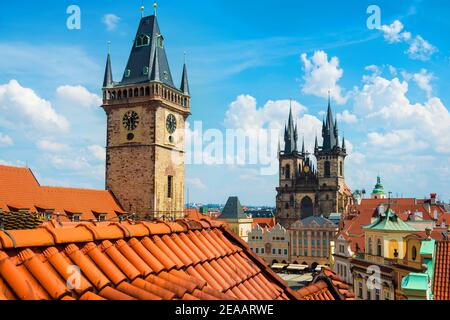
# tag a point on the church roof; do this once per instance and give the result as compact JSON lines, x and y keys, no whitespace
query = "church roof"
{"x":148,"y":45}
{"x":233,"y":210}
{"x":379,"y":188}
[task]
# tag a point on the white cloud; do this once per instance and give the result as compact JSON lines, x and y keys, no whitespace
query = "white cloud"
{"x":393,"y":32}
{"x":423,"y":79}
{"x":321,"y":76}
{"x":382,"y":104}
{"x":78,"y":96}
{"x":21,"y":105}
{"x":347,"y":117}
{"x":111,"y":21}
{"x":243,"y":113}
{"x":419,"y":48}
{"x":98,"y":152}
{"x":55,"y":147}
{"x":5,"y":140}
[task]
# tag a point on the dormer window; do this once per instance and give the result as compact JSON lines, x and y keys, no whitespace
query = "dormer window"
{"x":142,"y":40}
{"x":127,"y":73}
{"x":145,"y":71}
{"x":160,"y":41}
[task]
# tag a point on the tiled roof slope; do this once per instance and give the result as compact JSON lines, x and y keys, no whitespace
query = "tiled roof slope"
{"x":21,"y":190}
{"x":442,"y":271}
{"x":326,"y":286}
{"x":185,"y":260}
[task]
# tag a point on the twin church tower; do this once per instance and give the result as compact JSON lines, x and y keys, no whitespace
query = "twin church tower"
{"x":305,"y":189}
{"x":146,"y":115}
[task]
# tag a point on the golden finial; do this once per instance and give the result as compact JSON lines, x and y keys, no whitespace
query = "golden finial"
{"x":155,"y":6}
{"x":142,"y":9}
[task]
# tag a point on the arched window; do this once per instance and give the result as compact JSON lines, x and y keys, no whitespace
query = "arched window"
{"x":288,"y":171}
{"x":327,"y":169}
{"x":341,"y":169}
{"x":414,"y":253}
{"x":370,"y":245}
{"x":306,"y":207}
{"x":379,"y":248}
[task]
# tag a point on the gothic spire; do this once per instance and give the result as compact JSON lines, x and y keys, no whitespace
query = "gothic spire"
{"x":316,"y":145}
{"x":329,"y":131}
{"x":290,"y":135}
{"x":108,"y":79}
{"x":184,"y":81}
{"x":303,"y":146}
{"x":343,"y":144}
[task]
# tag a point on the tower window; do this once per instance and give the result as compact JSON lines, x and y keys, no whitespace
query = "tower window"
{"x":169,"y":186}
{"x":142,"y":40}
{"x":327,"y":169}
{"x":288,"y":171}
{"x":341,"y":169}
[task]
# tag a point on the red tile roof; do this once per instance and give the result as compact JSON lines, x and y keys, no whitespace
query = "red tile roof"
{"x":326,"y":286}
{"x":264,"y":222}
{"x":186,"y":260}
{"x":352,"y":228}
{"x":442,"y":271}
{"x":21,"y":190}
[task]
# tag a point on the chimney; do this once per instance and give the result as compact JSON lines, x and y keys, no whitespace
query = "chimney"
{"x":433,"y":197}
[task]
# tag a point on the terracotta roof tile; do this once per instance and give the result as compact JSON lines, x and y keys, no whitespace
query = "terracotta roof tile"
{"x":326,"y":286}
{"x":20,"y":189}
{"x":134,"y":261}
{"x":441,"y":288}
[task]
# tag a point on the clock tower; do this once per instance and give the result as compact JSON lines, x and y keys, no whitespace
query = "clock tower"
{"x":146,"y":115}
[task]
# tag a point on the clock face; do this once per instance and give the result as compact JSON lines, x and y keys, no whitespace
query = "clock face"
{"x":171,"y":123}
{"x":130,"y":120}
{"x":307,"y":169}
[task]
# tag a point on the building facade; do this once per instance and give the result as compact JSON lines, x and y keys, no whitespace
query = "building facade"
{"x":146,"y":116}
{"x":307,"y":189}
{"x":312,"y":241}
{"x":271,"y":244}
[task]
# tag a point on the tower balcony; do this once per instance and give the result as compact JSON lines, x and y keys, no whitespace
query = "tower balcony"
{"x":117,"y":95}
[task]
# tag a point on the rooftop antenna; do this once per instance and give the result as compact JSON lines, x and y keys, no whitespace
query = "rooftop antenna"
{"x":155,"y":6}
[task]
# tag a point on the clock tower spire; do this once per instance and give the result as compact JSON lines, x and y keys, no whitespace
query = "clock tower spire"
{"x":146,"y":115}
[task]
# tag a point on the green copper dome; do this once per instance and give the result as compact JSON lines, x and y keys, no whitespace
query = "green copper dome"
{"x":379,"y":188}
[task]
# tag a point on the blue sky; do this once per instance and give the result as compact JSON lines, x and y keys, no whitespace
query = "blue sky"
{"x":245,"y":60}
